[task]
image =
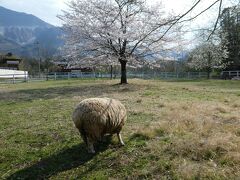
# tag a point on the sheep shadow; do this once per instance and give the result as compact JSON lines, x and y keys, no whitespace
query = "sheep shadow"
{"x":62,"y":161}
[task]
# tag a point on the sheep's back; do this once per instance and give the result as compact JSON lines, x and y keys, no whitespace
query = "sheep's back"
{"x":105,"y":113}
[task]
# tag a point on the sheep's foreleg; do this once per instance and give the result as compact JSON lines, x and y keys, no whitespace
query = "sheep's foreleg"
{"x":120,"y":139}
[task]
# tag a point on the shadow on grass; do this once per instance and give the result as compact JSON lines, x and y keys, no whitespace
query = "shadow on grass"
{"x":138,"y":137}
{"x":64,"y":160}
{"x":69,"y":91}
{"x":186,"y":80}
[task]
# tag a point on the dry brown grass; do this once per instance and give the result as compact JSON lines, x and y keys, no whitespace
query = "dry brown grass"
{"x":204,"y":134}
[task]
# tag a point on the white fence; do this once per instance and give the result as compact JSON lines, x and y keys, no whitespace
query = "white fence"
{"x":5,"y":73}
{"x":13,"y":76}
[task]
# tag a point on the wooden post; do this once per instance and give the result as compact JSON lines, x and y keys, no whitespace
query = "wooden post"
{"x":68,"y":75}
{"x":13,"y":79}
{"x":25,"y":76}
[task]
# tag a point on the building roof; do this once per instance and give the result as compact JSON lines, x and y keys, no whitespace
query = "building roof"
{"x":9,"y":58}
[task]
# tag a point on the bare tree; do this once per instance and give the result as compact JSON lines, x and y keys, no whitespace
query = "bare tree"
{"x":221,"y":4}
{"x":123,"y":31}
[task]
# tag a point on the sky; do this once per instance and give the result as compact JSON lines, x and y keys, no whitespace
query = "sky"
{"x":47,"y":10}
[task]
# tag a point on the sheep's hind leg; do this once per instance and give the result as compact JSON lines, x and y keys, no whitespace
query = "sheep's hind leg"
{"x":90,"y":147}
{"x":120,"y":139}
{"x":83,"y":135}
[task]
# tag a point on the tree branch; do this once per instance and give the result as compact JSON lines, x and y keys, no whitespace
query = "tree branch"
{"x":174,"y":22}
{"x":215,"y":26}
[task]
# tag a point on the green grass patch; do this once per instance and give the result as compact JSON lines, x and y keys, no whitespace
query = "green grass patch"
{"x":174,"y":128}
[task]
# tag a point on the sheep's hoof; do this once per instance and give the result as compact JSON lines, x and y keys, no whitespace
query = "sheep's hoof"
{"x":102,"y":140}
{"x":91,"y":151}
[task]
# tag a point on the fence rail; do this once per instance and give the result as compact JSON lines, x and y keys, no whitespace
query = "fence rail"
{"x":14,"y":78}
{"x":230,"y":74}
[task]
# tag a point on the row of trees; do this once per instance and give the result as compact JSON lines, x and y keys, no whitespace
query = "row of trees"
{"x":222,"y":50}
{"x":128,"y":32}
{"x":32,"y":65}
{"x":230,"y":26}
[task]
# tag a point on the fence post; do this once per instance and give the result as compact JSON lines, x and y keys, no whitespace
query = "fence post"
{"x":68,"y":75}
{"x":55,"y":76}
{"x":188,"y":75}
{"x":13,"y":79}
{"x":25,"y":76}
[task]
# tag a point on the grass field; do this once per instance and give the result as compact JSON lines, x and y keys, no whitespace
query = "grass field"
{"x":175,"y":130}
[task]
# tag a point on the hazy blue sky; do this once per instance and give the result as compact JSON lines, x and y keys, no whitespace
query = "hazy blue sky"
{"x":48,"y":9}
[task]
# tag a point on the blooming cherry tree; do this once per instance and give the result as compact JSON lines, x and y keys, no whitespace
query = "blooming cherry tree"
{"x":208,"y":56}
{"x":117,"y":31}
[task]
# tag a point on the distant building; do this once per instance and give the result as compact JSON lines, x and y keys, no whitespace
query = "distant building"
{"x":64,"y":66}
{"x":9,"y":61}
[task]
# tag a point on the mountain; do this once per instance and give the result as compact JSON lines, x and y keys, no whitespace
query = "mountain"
{"x":25,"y":34}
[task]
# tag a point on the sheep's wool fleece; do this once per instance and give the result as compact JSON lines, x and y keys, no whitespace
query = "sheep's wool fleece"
{"x":98,"y":116}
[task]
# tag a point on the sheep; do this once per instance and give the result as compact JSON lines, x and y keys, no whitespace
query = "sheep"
{"x":96,"y":117}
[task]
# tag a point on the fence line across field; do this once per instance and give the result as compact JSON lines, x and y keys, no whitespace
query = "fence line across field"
{"x":16,"y":78}
{"x":167,"y":75}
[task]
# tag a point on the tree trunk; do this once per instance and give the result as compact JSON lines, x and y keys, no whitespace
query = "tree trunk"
{"x":208,"y":74}
{"x":111,"y":71}
{"x":209,"y":68}
{"x":123,"y":72}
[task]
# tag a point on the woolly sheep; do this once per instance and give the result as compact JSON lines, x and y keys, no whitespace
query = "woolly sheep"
{"x":96,"y":117}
